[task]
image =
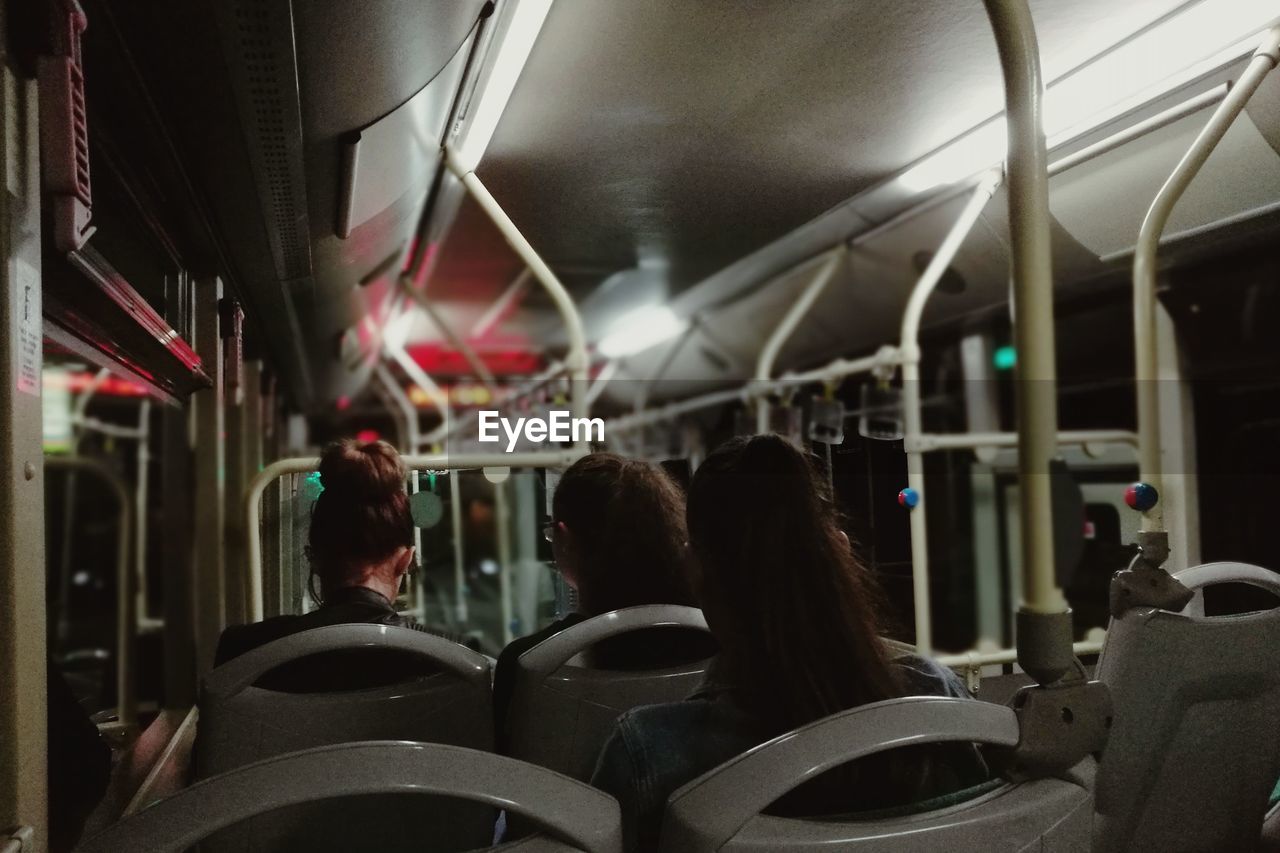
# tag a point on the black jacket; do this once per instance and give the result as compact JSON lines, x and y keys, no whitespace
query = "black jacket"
{"x":340,"y":670}
{"x":353,"y":605}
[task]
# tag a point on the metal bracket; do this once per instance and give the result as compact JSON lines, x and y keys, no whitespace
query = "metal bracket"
{"x":973,"y":679}
{"x":1145,"y":583}
{"x":19,"y":840}
{"x":887,"y":360}
{"x":1059,"y":725}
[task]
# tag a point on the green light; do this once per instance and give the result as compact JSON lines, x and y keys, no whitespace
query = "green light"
{"x":1005,"y":358}
{"x":311,"y":486}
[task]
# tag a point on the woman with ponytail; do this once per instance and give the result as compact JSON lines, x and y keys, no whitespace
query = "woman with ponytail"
{"x":360,"y":547}
{"x":795,"y":614}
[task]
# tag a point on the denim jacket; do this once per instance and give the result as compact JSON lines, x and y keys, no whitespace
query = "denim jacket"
{"x":655,"y":749}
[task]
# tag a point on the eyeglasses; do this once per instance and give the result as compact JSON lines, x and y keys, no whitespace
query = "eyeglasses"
{"x":549,"y":532}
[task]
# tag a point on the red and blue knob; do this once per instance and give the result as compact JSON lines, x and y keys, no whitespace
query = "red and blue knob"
{"x":1141,"y":496}
{"x":909,"y":498}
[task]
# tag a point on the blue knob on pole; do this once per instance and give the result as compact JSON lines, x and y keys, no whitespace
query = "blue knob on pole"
{"x":1141,"y":496}
{"x":909,"y":498}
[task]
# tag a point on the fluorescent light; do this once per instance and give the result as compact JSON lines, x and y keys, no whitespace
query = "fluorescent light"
{"x":640,"y":330}
{"x":1148,"y":65}
{"x":511,"y":50}
{"x":968,"y":155}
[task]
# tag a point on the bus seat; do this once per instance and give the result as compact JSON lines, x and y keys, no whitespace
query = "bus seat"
{"x":564,"y":703}
{"x":1271,"y":829}
{"x":1194,"y":749}
{"x":722,"y":810}
{"x":571,"y":816}
{"x":446,"y":698}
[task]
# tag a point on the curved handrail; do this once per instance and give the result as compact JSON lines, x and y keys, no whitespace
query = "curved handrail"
{"x":126,"y":623}
{"x":576,"y":359}
{"x":570,"y":810}
{"x":787,"y":326}
{"x":1198,"y":578}
{"x":557,"y":650}
{"x":235,"y":675}
{"x":306,"y":464}
{"x":720,"y":803}
{"x":1144,"y":265}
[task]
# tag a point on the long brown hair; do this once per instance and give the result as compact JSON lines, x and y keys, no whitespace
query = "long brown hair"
{"x":792,"y":608}
{"x":362,"y":516}
{"x":627,"y":522}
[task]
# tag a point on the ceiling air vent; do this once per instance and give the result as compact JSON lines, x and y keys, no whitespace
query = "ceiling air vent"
{"x":257,"y":40}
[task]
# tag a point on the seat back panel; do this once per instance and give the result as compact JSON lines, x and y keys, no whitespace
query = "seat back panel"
{"x":1193,"y":750}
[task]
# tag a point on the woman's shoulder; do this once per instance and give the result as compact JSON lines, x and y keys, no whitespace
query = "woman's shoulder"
{"x":924,"y":676}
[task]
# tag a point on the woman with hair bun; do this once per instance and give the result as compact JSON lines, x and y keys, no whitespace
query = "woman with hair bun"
{"x":360,"y":547}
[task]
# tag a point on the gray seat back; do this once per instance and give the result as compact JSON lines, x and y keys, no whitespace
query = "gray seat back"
{"x":1194,"y":748}
{"x":241,"y":723}
{"x":562,"y":708}
{"x":571,"y":816}
{"x":1271,"y":831}
{"x":721,"y":810}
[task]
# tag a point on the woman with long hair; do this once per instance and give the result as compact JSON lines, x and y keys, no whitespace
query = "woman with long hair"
{"x":796,"y":617}
{"x":618,"y":537}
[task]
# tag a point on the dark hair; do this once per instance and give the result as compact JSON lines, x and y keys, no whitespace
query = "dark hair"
{"x":792,"y":608}
{"x":627,"y":522}
{"x":362,"y":516}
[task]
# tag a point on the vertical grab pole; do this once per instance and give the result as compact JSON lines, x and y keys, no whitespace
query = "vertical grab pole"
{"x":1044,"y":620}
{"x":502,"y":515}
{"x":913,"y":422}
{"x":459,"y":561}
{"x":1146,"y":358}
{"x":409,"y":415}
{"x":576,"y":358}
{"x":785,"y":328}
{"x":140,"y":512}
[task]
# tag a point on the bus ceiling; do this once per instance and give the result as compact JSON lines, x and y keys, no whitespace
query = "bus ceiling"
{"x":313,"y":182}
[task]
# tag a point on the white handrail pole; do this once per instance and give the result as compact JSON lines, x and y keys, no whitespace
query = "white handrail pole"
{"x":407,"y":411}
{"x":502,"y":518}
{"x":140,"y":512}
{"x":459,"y":564}
{"x":458,"y":341}
{"x":500,"y":306}
{"x":1146,"y":359}
{"x":1044,"y":620}
{"x":434,"y":392}
{"x":787,"y":326}
{"x":601,"y":381}
{"x":409,"y":416}
{"x":929,"y":442}
{"x":576,"y":358}
{"x":973,"y":660}
{"x":909,"y":356}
